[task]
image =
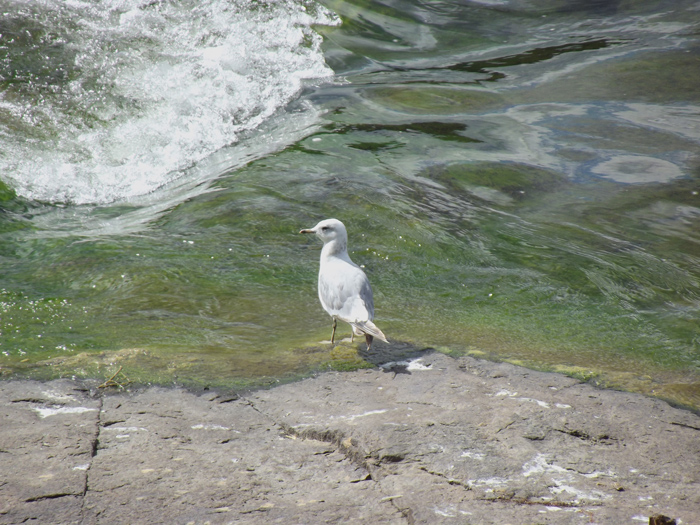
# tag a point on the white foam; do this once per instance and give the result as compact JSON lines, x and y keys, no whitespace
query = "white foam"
{"x":153,"y":89}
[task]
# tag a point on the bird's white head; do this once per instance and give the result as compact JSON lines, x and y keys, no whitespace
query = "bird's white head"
{"x":334,"y":236}
{"x":330,"y":230}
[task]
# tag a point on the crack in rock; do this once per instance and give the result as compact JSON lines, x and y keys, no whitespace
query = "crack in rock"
{"x":345,"y":445}
{"x":518,"y":500}
{"x":370,"y":463}
{"x":684,"y":425}
{"x":449,"y":480}
{"x":50,"y":496}
{"x":94,"y":446}
{"x":604,"y":439}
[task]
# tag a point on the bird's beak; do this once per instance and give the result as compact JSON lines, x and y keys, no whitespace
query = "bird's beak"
{"x":307,"y":231}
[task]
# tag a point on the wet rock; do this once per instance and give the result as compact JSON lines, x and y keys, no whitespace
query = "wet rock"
{"x":459,"y":441}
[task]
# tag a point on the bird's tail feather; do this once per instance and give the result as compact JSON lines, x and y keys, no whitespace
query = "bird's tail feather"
{"x":369,"y":328}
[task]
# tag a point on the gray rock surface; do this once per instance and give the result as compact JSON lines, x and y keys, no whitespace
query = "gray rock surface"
{"x":439,"y":440}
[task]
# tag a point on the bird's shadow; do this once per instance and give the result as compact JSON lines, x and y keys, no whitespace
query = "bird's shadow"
{"x":394,"y":357}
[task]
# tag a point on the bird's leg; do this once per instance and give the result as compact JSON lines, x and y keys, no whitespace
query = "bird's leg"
{"x":335,"y":323}
{"x":368,"y":339}
{"x":352,"y":336}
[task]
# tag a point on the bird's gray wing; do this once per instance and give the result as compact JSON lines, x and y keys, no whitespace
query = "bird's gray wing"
{"x":367,"y":298}
{"x":349,"y":297}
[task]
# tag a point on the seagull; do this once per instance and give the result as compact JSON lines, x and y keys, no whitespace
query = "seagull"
{"x":343,"y":287}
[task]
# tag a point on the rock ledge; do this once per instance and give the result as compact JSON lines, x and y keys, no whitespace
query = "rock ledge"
{"x":433,"y":440}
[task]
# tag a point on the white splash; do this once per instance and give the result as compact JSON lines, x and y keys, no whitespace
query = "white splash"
{"x":142,"y":91}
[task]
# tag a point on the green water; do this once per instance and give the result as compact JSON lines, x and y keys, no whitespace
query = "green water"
{"x":519,"y":183}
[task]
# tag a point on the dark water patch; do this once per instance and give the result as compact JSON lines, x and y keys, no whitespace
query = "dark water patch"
{"x":451,"y":131}
{"x":375,"y":146}
{"x":532,"y":56}
{"x":480,"y":72}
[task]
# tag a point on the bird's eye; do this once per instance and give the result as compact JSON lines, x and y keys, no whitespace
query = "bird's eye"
{"x":324,"y":228}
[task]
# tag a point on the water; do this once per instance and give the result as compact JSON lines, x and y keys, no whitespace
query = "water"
{"x":520,"y":181}
{"x":111,"y":100}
